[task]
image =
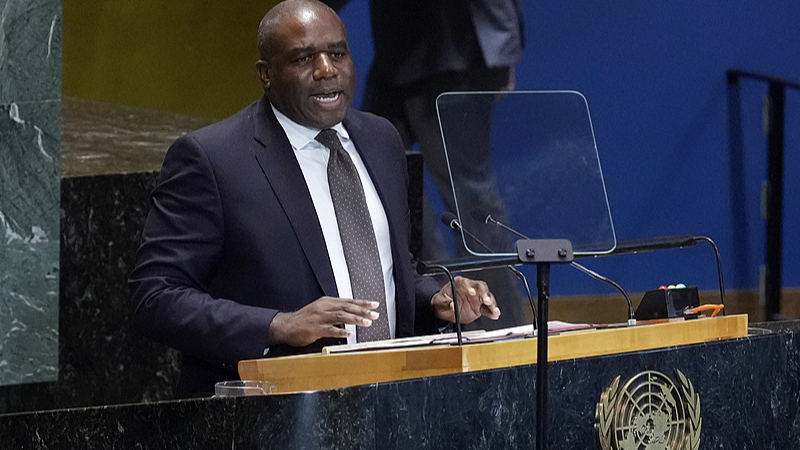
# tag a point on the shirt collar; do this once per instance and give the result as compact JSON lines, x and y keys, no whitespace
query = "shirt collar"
{"x":300,"y":136}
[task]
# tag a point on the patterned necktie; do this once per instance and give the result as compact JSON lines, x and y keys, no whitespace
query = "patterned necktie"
{"x":358,"y":237}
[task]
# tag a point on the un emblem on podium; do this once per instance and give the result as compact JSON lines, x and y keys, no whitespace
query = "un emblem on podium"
{"x":649,"y":412}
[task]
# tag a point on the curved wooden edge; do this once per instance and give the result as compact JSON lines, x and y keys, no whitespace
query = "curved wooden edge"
{"x":319,"y":371}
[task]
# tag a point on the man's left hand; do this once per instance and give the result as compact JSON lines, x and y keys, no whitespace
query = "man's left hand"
{"x":474,"y":300}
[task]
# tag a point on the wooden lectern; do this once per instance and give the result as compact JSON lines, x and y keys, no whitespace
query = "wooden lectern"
{"x":334,"y":370}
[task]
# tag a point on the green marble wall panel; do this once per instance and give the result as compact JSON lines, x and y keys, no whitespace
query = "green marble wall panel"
{"x":30,"y":50}
{"x":30,"y":103}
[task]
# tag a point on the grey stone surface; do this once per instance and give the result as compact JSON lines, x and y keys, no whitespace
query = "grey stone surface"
{"x":29,"y":241}
{"x":30,"y":50}
{"x":107,"y":139}
{"x":30,"y":93}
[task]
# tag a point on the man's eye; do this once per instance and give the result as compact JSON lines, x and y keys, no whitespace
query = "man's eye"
{"x":303,"y":59}
{"x":338,"y":55}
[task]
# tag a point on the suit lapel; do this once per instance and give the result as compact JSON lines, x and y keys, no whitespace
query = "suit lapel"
{"x":283,"y":173}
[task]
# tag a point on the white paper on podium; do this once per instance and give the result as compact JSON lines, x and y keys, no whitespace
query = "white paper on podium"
{"x":468,"y":337}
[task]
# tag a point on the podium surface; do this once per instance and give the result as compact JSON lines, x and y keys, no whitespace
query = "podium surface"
{"x":334,"y":370}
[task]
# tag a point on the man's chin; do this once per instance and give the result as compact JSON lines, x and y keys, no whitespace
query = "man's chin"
{"x":327,"y":120}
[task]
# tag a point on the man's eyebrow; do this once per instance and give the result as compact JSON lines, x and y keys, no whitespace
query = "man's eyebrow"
{"x":301,"y":51}
{"x":341,"y":45}
{"x":298,"y":51}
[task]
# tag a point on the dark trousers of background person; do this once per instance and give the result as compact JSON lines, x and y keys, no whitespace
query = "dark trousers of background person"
{"x":412,"y":109}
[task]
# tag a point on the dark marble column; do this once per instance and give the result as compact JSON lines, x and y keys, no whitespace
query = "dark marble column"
{"x":30,"y":102}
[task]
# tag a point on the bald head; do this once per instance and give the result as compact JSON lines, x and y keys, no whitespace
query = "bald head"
{"x":282,"y":12}
{"x":305,"y":67}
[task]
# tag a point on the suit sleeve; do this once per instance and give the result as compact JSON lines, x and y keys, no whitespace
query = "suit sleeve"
{"x":181,"y":246}
{"x":425,"y":321}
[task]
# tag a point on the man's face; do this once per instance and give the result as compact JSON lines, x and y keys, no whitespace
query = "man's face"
{"x":310,"y":76}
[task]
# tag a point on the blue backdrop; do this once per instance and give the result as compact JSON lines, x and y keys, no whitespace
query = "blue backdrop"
{"x":654,"y":75}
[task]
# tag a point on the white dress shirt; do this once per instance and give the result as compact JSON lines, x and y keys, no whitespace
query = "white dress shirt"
{"x":313,"y":159}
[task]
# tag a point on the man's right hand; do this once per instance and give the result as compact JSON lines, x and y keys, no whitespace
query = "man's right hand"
{"x":319,"y":320}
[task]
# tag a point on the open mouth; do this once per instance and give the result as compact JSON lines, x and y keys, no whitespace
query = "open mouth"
{"x":328,"y":97}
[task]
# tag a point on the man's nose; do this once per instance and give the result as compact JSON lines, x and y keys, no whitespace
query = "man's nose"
{"x":323,"y":67}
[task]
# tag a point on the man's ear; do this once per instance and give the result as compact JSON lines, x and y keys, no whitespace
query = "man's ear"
{"x":262,"y":70}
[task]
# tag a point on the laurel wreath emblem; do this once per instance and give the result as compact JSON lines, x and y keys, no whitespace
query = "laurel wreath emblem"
{"x":611,"y":425}
{"x":605,"y":413}
{"x":693,"y":408}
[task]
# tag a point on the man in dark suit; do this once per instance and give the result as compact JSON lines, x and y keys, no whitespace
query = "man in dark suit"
{"x":241,"y":255}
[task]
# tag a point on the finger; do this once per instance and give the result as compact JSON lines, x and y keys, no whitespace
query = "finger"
{"x":490,"y":306}
{"x":482,"y":290}
{"x":364,"y":304}
{"x":483,"y":301}
{"x":342,"y":317}
{"x":447,"y":292}
{"x":363,"y":308}
{"x":469,"y":308}
{"x":476,"y":306}
{"x":332,"y":331}
{"x":489,"y":300}
{"x":368,"y":304}
{"x":471,"y":288}
{"x":473,"y":293}
{"x":490,"y":312}
{"x":329,"y":310}
{"x":466,"y":290}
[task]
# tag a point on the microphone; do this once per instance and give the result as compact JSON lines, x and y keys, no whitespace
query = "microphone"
{"x":482,"y":216}
{"x":451,"y":221}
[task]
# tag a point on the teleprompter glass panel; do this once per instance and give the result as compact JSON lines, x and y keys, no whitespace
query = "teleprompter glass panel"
{"x":527,"y":160}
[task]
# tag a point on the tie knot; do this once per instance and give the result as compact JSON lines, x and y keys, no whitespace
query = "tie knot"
{"x":329,"y":138}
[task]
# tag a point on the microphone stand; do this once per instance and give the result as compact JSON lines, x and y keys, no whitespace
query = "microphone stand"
{"x":487,"y":218}
{"x":451,"y":221}
{"x":543,"y":287}
{"x":543,"y":253}
{"x":543,"y":281}
{"x":423,"y":268}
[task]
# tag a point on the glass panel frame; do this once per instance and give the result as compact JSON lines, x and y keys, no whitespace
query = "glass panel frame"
{"x":529,"y":159}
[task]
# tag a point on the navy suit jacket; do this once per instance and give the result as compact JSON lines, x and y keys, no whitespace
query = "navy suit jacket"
{"x":232,"y":238}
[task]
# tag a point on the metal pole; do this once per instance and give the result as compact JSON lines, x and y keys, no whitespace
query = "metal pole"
{"x":543,"y":283}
